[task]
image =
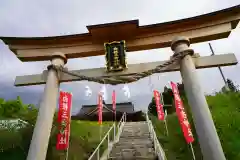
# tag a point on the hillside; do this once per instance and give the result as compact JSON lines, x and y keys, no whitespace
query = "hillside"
{"x":14,"y":144}
{"x":85,"y":136}
{"x":225,"y":108}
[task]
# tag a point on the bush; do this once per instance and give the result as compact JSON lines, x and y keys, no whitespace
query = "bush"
{"x":226,"y":115}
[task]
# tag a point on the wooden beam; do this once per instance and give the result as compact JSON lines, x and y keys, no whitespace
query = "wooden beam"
{"x":211,"y":26}
{"x":200,"y":62}
{"x":144,"y":42}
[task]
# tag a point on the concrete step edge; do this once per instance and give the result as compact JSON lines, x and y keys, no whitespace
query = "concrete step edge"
{"x":134,"y":157}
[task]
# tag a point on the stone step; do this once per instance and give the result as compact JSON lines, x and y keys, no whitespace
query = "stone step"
{"x":127,"y":135}
{"x":133,"y":147}
{"x":134,"y":134}
{"x":135,"y":130}
{"x":132,"y":152}
{"x":135,"y":141}
{"x":138,"y":132}
{"x":134,"y":158}
{"x":136,"y":126}
{"x":148,"y":148}
{"x":139,"y":122}
{"x":135,"y":138}
{"x":142,"y":126}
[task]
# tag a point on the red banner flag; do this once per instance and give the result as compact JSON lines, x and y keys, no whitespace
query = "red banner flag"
{"x":100,"y":107}
{"x":114,"y":101}
{"x":64,"y":118}
{"x":159,"y":106}
{"x":182,"y":116}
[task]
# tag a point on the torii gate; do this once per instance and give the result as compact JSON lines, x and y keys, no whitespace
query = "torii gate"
{"x":58,"y":49}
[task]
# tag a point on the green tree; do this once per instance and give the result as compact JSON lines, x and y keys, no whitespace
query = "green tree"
{"x":231,"y":85}
{"x":11,"y":108}
{"x":167,"y":96}
{"x":181,"y":89}
{"x":168,"y":99}
{"x":152,"y":107}
{"x":2,"y":101}
{"x":14,"y":140}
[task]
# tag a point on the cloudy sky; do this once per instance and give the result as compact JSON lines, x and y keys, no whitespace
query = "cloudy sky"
{"x":59,"y":17}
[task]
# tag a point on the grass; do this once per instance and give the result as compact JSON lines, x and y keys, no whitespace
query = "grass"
{"x":85,"y":135}
{"x":226,"y":114}
{"x":225,"y":109}
{"x":84,"y":138}
{"x":174,"y":144}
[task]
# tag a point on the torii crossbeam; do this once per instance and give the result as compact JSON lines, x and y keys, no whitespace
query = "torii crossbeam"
{"x":200,"y":62}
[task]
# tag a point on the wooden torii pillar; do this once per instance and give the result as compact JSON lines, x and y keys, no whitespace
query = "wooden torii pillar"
{"x":202,"y":28}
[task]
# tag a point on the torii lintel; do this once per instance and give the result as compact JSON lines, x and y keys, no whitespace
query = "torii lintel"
{"x":211,"y":26}
{"x":200,"y":62}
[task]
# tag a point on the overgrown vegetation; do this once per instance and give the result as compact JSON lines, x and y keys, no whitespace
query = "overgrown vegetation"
{"x":14,"y":144}
{"x":225,"y":110}
{"x":85,"y":137}
{"x":174,"y":144}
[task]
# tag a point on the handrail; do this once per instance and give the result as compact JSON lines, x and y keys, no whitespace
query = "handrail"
{"x":107,"y":136}
{"x":157,"y":146}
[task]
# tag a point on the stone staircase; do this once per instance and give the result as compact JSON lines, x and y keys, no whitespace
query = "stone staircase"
{"x":134,"y":143}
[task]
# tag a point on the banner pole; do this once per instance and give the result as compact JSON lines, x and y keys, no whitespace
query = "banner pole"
{"x":165,"y":122}
{"x":193,"y":154}
{"x":100,"y":105}
{"x":70,"y":119}
{"x":182,"y":117}
{"x":165,"y":115}
{"x":100,"y":132}
{"x":67,"y":151}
